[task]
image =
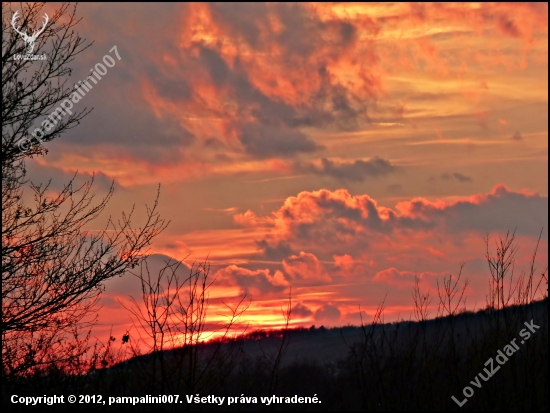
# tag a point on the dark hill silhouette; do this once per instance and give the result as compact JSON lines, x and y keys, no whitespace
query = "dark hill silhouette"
{"x":393,"y":366}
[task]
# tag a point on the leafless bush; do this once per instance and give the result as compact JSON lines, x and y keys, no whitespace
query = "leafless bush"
{"x":170,"y":323}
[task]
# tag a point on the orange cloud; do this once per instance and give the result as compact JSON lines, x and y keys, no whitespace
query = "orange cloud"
{"x":255,"y":283}
{"x":344,"y":262}
{"x":336,"y":226}
{"x":250,"y":219}
{"x":402,"y":279}
{"x":305,"y":267}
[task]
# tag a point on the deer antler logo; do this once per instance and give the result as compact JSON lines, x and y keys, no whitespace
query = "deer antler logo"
{"x":30,"y":40}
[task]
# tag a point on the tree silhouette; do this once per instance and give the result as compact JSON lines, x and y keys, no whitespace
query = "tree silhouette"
{"x":53,"y":269}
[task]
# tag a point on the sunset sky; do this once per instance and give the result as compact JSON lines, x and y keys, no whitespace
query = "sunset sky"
{"x":337,"y":149}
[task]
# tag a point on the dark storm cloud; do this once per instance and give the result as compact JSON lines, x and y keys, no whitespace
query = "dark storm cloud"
{"x":168,"y":84}
{"x":356,"y":171}
{"x":456,"y":175}
{"x":274,"y":132}
{"x":169,"y":69}
{"x":328,"y":312}
{"x":121,"y":118}
{"x":268,"y":141}
{"x":307,"y":44}
{"x":500,"y":210}
{"x":133,"y":129}
{"x":301,"y":310}
{"x":42,"y":174}
{"x":301,"y":33}
{"x":277,"y":252}
{"x":462,"y":178}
